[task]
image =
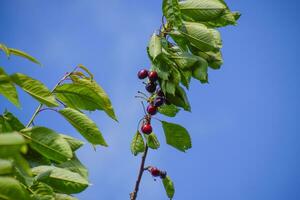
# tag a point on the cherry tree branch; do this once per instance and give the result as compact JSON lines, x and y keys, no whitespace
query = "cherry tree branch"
{"x":133,"y":195}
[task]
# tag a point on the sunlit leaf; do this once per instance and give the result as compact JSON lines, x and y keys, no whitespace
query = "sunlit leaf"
{"x":177,"y":136}
{"x":35,"y":88}
{"x":152,"y":141}
{"x":61,"y":180}
{"x":169,"y":187}
{"x":137,"y":145}
{"x":24,"y":55}
{"x":48,"y":143}
{"x":11,"y":189}
{"x":7,"y":88}
{"x":84,"y":125}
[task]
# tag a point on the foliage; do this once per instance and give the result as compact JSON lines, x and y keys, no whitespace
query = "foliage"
{"x":38,"y":162}
{"x":186,"y":47}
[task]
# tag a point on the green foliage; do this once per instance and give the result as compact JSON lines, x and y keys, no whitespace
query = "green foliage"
{"x":169,"y":187}
{"x":84,"y":125}
{"x":37,"y":163}
{"x":137,"y":145}
{"x":177,"y":136}
{"x":168,"y":110}
{"x":152,"y":141}
{"x":34,"y":88}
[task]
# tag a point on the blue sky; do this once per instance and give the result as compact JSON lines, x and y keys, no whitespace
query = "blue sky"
{"x":244,"y":124}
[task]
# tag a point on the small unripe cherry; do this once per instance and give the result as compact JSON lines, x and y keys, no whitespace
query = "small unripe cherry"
{"x":147,"y":129}
{"x":163,"y":174}
{"x":153,"y":76}
{"x":154,"y":171}
{"x":151,"y":87}
{"x":142,"y":74}
{"x":159,"y":101}
{"x":151,"y":109}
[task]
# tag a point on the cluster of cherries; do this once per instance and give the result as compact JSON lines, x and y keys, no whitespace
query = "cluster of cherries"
{"x":155,"y":103}
{"x":155,"y":172}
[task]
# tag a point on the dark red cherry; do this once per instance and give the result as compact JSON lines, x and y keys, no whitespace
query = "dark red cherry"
{"x":163,"y":174}
{"x":151,"y":87}
{"x":160,"y":93}
{"x":159,"y":101}
{"x":154,"y":171}
{"x":153,"y":76}
{"x":147,"y":129}
{"x":142,"y":74}
{"x":151,"y":109}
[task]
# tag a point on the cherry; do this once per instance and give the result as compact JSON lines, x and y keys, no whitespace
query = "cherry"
{"x":153,"y":76}
{"x":147,"y":129}
{"x":159,"y":101}
{"x":154,"y":171}
{"x":151,"y":87}
{"x":151,"y":109}
{"x":160,"y":93}
{"x":163,"y":174}
{"x":142,"y":74}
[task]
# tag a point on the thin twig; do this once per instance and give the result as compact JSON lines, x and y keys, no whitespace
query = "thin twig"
{"x":36,"y":112}
{"x":133,"y":195}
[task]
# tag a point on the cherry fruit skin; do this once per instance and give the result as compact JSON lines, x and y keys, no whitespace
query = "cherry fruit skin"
{"x":147,"y":129}
{"x":153,"y":76}
{"x":151,"y":109}
{"x":160,"y":93}
{"x":142,"y":74}
{"x":159,"y":101}
{"x":151,"y":87}
{"x":155,"y":172}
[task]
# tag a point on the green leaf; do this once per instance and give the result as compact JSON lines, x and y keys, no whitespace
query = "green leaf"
{"x":137,"y":145}
{"x":73,"y":142}
{"x":74,"y":165}
{"x":154,"y":47}
{"x":35,"y":88}
{"x":169,"y":187}
{"x":200,"y":36}
{"x":168,"y":110}
{"x":177,"y":136}
{"x":104,"y":102}
{"x":201,"y":10}
{"x":48,"y":143}
{"x":179,"y":99}
{"x":7,"y":88}
{"x":84,"y":125}
{"x":36,"y":159}
{"x":6,"y":167}
{"x":61,"y":180}
{"x":42,"y":191}
{"x":10,"y":144}
{"x":152,"y":141}
{"x":11,"y":189}
{"x":200,"y":70}
{"x":79,"y":97}
{"x":64,"y":197}
{"x":24,"y":55}
{"x":172,"y":12}
{"x":5,"y":49}
{"x":9,"y":123}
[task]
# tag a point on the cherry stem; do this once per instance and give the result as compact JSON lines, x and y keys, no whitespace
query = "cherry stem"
{"x":133,"y":195}
{"x":143,"y":94}
{"x":144,"y":108}
{"x":141,"y":98}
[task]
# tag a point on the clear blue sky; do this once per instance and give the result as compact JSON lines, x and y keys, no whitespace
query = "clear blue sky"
{"x":244,"y":124}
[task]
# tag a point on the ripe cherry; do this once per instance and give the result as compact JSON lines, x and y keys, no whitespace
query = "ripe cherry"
{"x":160,"y":93}
{"x":147,"y":129}
{"x":151,"y":87}
{"x":159,"y":101}
{"x":151,"y":109}
{"x":154,"y":171}
{"x":153,"y":76}
{"x":142,"y":74}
